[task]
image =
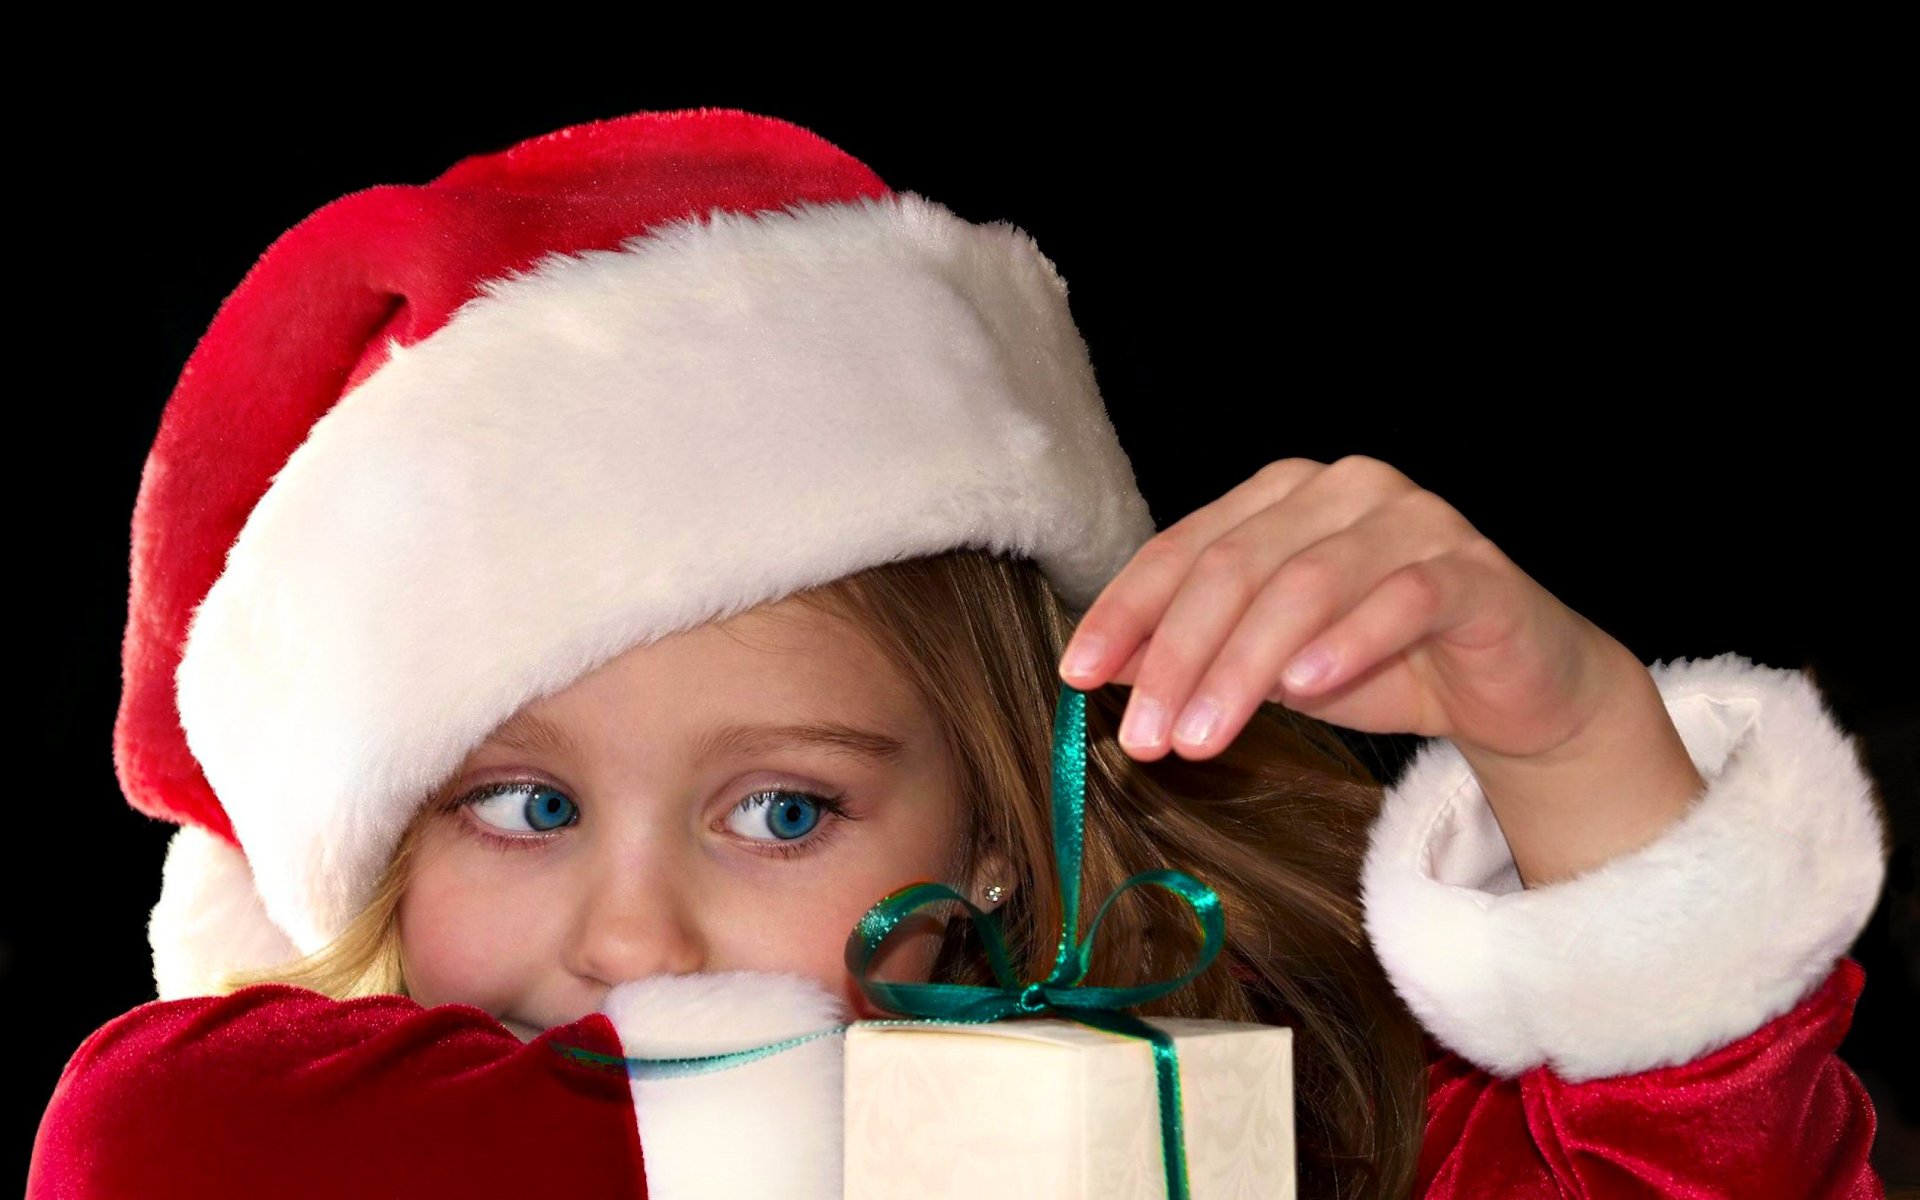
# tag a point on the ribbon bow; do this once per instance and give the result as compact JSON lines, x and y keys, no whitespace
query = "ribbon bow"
{"x":1061,"y":991}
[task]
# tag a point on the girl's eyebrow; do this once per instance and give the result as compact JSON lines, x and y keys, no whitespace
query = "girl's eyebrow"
{"x":833,"y":736}
{"x":532,"y":734}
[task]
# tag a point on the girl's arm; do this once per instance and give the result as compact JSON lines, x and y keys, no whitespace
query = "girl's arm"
{"x":1664,"y":1021}
{"x":280,"y":1091}
{"x":1619,"y":782}
{"x":1773,"y":1114}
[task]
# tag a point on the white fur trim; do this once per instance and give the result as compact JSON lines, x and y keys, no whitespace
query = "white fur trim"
{"x":770,"y":1128}
{"x":209,"y":919}
{"x":1659,"y":956}
{"x":615,"y":446}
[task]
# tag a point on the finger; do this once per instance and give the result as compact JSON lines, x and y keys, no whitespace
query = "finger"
{"x":1303,"y":597}
{"x":1324,"y":579}
{"x":1316,"y":500}
{"x":1131,"y":668}
{"x":1203,"y":615}
{"x":1412,"y":605}
{"x":1211,"y":603}
{"x":1129,"y":607}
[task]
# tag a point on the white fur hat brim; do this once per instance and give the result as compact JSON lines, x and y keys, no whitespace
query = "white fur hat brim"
{"x":612,"y":447}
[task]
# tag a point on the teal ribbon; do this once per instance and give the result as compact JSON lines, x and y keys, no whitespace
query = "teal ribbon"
{"x":1061,"y":992}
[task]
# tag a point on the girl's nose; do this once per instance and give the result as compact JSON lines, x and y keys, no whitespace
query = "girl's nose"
{"x":633,"y":927}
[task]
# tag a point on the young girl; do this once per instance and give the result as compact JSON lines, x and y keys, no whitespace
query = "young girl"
{"x":569,"y":593}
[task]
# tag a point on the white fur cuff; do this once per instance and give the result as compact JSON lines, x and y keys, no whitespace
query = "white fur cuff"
{"x":1661,"y":955}
{"x":770,"y":1128}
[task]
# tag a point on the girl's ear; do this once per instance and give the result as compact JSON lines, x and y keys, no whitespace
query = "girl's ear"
{"x":992,"y":881}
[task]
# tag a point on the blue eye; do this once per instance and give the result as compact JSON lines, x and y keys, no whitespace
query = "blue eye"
{"x":544,"y":809}
{"x":784,"y":814}
{"x":788,"y":821}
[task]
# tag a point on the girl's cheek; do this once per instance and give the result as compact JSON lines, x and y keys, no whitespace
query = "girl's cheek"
{"x":430,"y":950}
{"x":459,"y":941}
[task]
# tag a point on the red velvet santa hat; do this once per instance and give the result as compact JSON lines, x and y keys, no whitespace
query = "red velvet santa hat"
{"x":448,"y":447}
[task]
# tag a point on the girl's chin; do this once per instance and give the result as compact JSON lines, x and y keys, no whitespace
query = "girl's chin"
{"x":524,"y":1032}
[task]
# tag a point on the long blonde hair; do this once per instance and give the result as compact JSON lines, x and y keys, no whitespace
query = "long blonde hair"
{"x":1276,"y":823}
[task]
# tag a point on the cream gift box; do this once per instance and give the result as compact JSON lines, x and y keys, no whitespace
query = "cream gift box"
{"x":1047,"y":1109}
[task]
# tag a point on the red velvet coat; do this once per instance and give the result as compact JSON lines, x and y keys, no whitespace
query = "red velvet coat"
{"x":279,"y":1091}
{"x":1665,"y":1025}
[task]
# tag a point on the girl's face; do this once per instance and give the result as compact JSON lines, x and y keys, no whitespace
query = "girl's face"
{"x":733,"y":797}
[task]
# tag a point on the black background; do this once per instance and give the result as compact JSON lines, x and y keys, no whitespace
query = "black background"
{"x":1636,"y":326}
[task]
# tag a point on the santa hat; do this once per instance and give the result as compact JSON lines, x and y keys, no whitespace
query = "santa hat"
{"x":448,"y":447}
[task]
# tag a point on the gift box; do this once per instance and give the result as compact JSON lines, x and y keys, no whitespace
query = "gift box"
{"x":1053,"y":1109}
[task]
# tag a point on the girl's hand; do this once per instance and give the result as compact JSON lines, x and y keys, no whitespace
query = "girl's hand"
{"x":1348,"y":593}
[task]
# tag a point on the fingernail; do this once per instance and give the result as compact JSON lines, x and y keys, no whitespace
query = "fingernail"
{"x":1197,"y":723}
{"x":1309,"y":668}
{"x":1146,"y":722}
{"x":1083,"y":656}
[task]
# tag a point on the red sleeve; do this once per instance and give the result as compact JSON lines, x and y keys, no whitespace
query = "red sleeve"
{"x":279,"y":1091}
{"x":1775,"y":1114}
